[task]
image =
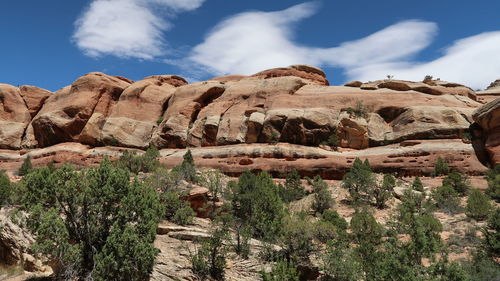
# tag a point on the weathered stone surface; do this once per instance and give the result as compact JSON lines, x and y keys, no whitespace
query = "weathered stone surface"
{"x":488,"y":119}
{"x":431,"y":87}
{"x":183,"y":109}
{"x":34,"y":98}
{"x":138,"y":111}
{"x":71,"y":110}
{"x":310,"y":73}
{"x":14,"y":117}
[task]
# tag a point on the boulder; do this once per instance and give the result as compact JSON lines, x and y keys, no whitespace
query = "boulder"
{"x":138,"y":111}
{"x":353,"y":132}
{"x":14,"y":117}
{"x":76,"y":109}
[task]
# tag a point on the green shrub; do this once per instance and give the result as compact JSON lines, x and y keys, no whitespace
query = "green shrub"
{"x":334,"y":218}
{"x":417,"y":185}
{"x":365,"y":229}
{"x":177,"y":210}
{"x":493,"y":177}
{"x":441,"y":168}
{"x":210,"y":260}
{"x":322,"y":196}
{"x":333,"y":141}
{"x":5,"y":188}
{"x":256,"y":202}
{"x":292,"y":189}
{"x":184,"y":215}
{"x":458,"y":182}
{"x":160,"y":119}
{"x":359,"y":180}
{"x":282,"y":271}
{"x":147,"y":162}
{"x":382,"y":192}
{"x":341,"y":263}
{"x":478,"y":205}
{"x":187,"y":169}
{"x":447,"y":199}
{"x":358,"y":111}
{"x":297,"y":238}
{"x":492,"y":234}
{"x":96,"y":222}
{"x":26,"y":167}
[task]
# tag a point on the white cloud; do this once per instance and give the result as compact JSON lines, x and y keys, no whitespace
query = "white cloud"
{"x":473,"y":61}
{"x":252,"y":41}
{"x":127,"y":28}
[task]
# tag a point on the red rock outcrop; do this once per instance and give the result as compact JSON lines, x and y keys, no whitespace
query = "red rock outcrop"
{"x":34,"y":98}
{"x":137,"y":112}
{"x":14,"y":117}
{"x":73,"y":113}
{"x":491,"y":93}
{"x":291,"y":105}
{"x":488,"y":119}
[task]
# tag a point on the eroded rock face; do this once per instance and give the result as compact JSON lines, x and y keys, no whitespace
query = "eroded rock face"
{"x":137,"y":112}
{"x":34,"y":98}
{"x":488,"y":119}
{"x":431,"y":87}
{"x":491,"y":93}
{"x":307,"y":72}
{"x":14,"y":117}
{"x":74,"y":113}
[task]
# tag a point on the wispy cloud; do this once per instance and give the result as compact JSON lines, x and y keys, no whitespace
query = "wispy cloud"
{"x":473,"y":61}
{"x":252,"y":41}
{"x":128,"y":28}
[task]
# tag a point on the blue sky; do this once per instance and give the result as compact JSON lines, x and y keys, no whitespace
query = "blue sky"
{"x":51,"y":43}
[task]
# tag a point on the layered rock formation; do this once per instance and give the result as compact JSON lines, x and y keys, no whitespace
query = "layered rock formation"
{"x":292,"y":105}
{"x":491,"y":93}
{"x":487,"y":131}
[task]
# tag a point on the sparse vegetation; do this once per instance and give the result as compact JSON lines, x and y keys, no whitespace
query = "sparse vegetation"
{"x":292,"y":189}
{"x":447,"y":199}
{"x":428,"y":78}
{"x":478,"y":205}
{"x":95,"y":222}
{"x":441,"y":168}
{"x":146,"y":162}
{"x":187,"y":169}
{"x":458,"y":182}
{"x":417,"y":185}
{"x":26,"y":167}
{"x":282,"y":270}
{"x":359,"y":110}
{"x":5,"y":188}
{"x":160,"y":119}
{"x":322,"y":196}
{"x":493,"y":177}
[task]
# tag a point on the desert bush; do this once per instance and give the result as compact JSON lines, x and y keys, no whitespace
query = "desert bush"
{"x":458,"y":182}
{"x":322,"y":196}
{"x":292,"y":189}
{"x":441,"y":168}
{"x":492,"y":234}
{"x":210,"y":259}
{"x":282,"y":270}
{"x":341,"y":263}
{"x":493,"y":178}
{"x":478,"y":205}
{"x":335,"y":219}
{"x":359,"y":180}
{"x":365,"y":229}
{"x":177,"y":210}
{"x":187,"y":169}
{"x":297,"y":238}
{"x":146,"y":162}
{"x":96,"y":222}
{"x":447,"y":199}
{"x":5,"y":188}
{"x":359,"y":110}
{"x":417,"y":185}
{"x":382,"y":192}
{"x":255,"y":200}
{"x":26,"y":167}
